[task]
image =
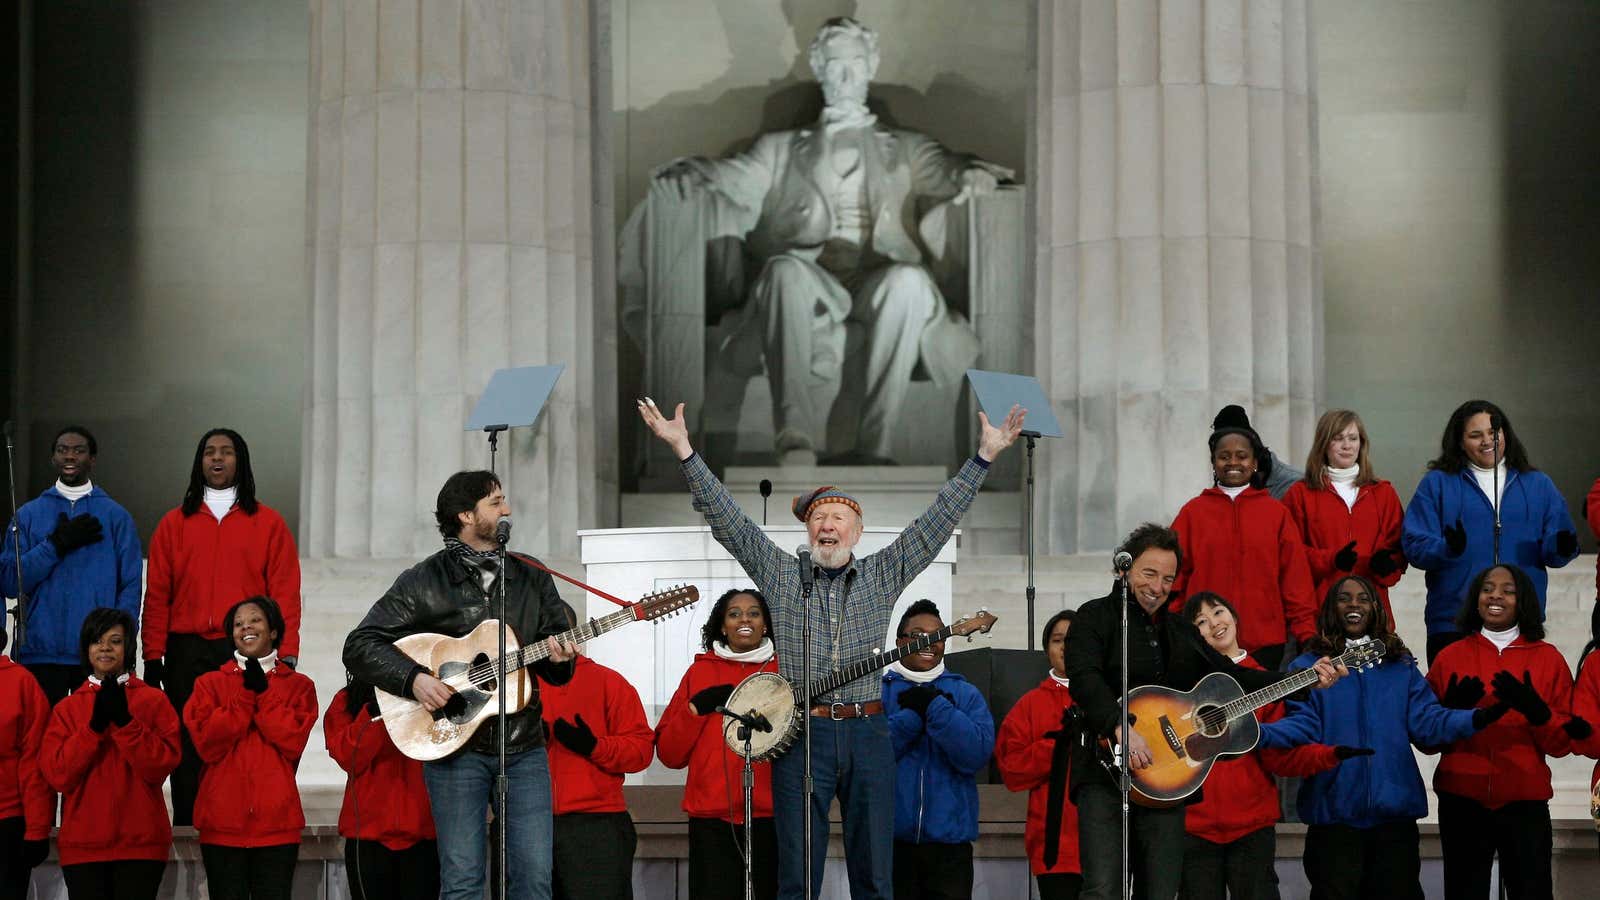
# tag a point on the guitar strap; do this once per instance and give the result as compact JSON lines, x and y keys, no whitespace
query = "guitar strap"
{"x":1056,"y":794}
{"x":567,"y":578}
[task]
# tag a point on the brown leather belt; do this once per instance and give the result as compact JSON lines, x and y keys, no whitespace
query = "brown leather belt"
{"x":838,"y":711}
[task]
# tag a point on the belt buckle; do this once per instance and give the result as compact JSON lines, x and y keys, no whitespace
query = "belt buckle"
{"x":833,"y":710}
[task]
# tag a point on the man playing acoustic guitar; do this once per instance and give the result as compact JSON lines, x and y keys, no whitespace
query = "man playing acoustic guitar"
{"x":1163,"y":648}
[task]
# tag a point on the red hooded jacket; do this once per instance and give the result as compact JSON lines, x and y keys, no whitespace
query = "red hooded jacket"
{"x":1326,"y":525}
{"x":1024,"y":756}
{"x":1239,"y":795}
{"x":610,"y":707}
{"x":250,"y":745}
{"x":1591,"y":509}
{"x":24,"y":716}
{"x":111,"y":781}
{"x":1505,"y":762}
{"x":1247,"y":550}
{"x":1586,"y":706}
{"x":714,"y":789}
{"x":385,"y":799}
{"x":200,"y":567}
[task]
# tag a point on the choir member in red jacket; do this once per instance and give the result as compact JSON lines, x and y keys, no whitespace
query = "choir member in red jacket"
{"x":1494,"y":787}
{"x":1241,"y":543}
{"x":27,"y":805}
{"x":1232,"y":830}
{"x":1585,"y":712}
{"x":249,"y":721}
{"x":387,"y":825}
{"x":600,"y":734}
{"x":110,"y":746}
{"x":1033,"y":750}
{"x":1591,"y":508}
{"x":1348,"y":518}
{"x":737,"y":638}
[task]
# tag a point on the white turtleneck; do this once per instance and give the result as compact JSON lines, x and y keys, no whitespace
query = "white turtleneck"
{"x":220,"y":501}
{"x":757,"y":654}
{"x":268,"y":662}
{"x":1344,"y":483}
{"x":1064,"y":682}
{"x":1233,"y":492}
{"x":1486,"y":479}
{"x":914,"y":676}
{"x":121,"y":679}
{"x":1502,"y":639}
{"x":74,"y":494}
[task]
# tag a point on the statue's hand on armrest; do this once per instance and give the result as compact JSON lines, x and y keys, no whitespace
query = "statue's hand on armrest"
{"x":979,"y":179}
{"x":683,"y":177}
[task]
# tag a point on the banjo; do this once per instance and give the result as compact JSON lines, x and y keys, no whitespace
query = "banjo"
{"x":467,"y":664}
{"x":775,"y":699}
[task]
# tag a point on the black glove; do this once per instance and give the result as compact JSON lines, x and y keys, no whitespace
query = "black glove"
{"x":1455,"y":538}
{"x":917,"y":698}
{"x":79,"y":531}
{"x":575,"y":737}
{"x":100,"y":717}
{"x":1566,"y":543}
{"x":1345,"y":559}
{"x":154,"y":671}
{"x":1520,"y":696}
{"x":35,"y":852}
{"x":1384,"y":563}
{"x":1484,"y":716}
{"x":1462,"y":694}
{"x":1578,"y":728}
{"x":706,"y":701}
{"x":115,"y":697}
{"x":255,"y":677}
{"x":1344,"y":753}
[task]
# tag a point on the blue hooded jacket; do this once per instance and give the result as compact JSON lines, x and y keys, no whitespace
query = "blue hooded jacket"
{"x":935,"y":792}
{"x":1532,"y":513}
{"x":62,"y":591}
{"x":1387,"y":708}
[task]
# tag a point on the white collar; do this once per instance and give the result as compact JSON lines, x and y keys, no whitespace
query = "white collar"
{"x":1502,"y":639}
{"x":95,"y":679}
{"x":1342,"y":476}
{"x":1240,"y":658}
{"x":757,"y":654}
{"x":268,"y":662}
{"x":220,"y":501}
{"x":1064,"y":682}
{"x":74,"y":494}
{"x":1233,"y":492}
{"x":917,"y":677}
{"x":842,"y":116}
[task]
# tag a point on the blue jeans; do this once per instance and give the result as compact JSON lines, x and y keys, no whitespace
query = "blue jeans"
{"x":853,"y":759}
{"x":460,"y":788}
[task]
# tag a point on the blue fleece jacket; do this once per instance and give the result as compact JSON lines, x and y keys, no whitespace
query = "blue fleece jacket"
{"x":1532,"y":513}
{"x":62,"y":590}
{"x":935,"y":793}
{"x":1387,"y":708}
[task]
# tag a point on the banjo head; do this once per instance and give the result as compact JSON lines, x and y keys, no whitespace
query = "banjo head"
{"x":770,"y":695}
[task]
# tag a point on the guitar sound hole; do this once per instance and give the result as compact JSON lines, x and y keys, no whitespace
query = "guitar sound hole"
{"x":482,"y":663}
{"x":1210,"y":721}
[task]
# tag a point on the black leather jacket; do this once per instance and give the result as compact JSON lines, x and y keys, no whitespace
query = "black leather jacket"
{"x":441,"y":595}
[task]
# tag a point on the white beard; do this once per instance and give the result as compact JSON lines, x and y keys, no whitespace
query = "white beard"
{"x":831,"y":557}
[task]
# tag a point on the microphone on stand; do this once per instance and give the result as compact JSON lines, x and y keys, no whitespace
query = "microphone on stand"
{"x":766,"y":491}
{"x":1122,"y":562}
{"x":803,"y":553}
{"x":752,"y":720}
{"x":502,"y":531}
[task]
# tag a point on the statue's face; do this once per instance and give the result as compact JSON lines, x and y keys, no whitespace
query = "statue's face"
{"x":847,"y":68}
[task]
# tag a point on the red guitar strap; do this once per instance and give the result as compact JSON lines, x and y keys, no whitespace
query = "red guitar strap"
{"x":569,"y":579}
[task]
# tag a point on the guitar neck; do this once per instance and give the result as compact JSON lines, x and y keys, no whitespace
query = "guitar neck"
{"x":873,"y":663}
{"x":589,"y":630}
{"x":1272,"y":693}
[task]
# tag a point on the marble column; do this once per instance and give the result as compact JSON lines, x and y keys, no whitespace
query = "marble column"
{"x":1176,"y":248}
{"x":451,"y":203}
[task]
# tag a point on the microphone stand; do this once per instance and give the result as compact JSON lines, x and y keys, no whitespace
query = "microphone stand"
{"x":806,"y":575}
{"x":21,"y":612}
{"x":502,"y":785}
{"x":1125,"y":784}
{"x":1032,"y":591}
{"x":1494,"y":428}
{"x":748,"y":722}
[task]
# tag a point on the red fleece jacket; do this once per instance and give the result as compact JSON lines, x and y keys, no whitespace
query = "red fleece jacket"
{"x":1024,"y":755}
{"x":111,"y":781}
{"x":250,"y":745}
{"x":200,"y":567}
{"x":1586,"y":706}
{"x":385,"y":799}
{"x":24,"y":716}
{"x":610,"y":707}
{"x":713,"y":789}
{"x":1591,"y":509}
{"x":1505,"y":762}
{"x":1326,"y":525}
{"x":1247,"y":550}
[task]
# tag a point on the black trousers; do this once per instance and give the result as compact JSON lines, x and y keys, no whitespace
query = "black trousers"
{"x":123,"y":879}
{"x":932,"y":871}
{"x":254,"y":873}
{"x":1059,"y":886}
{"x":56,"y":679}
{"x":14,"y":876}
{"x":1472,"y":835}
{"x":1155,"y":857}
{"x":716,"y":859}
{"x":1344,"y":863}
{"x":377,"y":873}
{"x":188,"y":657}
{"x":1241,"y":869}
{"x":1439,"y":640}
{"x":593,"y":856}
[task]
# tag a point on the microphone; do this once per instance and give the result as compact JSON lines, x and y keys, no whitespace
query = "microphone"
{"x":803,"y":553}
{"x":752,"y":720}
{"x":766,"y":483}
{"x":1122,"y":562}
{"x":502,"y":531}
